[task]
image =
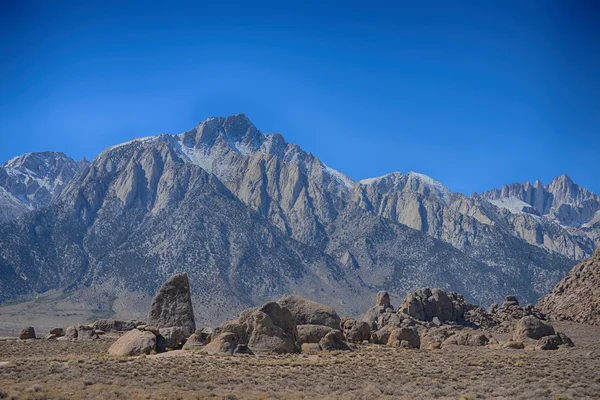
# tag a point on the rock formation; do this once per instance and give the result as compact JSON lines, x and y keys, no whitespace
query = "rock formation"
{"x":577,"y":297}
{"x":308,"y":312}
{"x":172,"y":305}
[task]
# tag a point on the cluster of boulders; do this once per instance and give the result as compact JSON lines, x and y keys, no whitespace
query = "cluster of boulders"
{"x":428,"y":318}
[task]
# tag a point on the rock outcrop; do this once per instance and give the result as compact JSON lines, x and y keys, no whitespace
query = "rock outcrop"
{"x":426,"y":304}
{"x":172,"y":305}
{"x":576,"y":298}
{"x":266,"y":329}
{"x":307,"y":312}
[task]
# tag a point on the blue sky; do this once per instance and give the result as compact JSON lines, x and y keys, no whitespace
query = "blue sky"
{"x":474,"y":94}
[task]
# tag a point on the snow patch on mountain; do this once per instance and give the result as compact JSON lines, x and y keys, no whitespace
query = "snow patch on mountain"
{"x":340,"y":177}
{"x":511,"y":204}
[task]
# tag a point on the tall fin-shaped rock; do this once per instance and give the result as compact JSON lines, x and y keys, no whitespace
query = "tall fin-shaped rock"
{"x":172,"y":305}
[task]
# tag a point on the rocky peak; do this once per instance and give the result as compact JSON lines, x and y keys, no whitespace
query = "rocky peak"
{"x":35,"y":179}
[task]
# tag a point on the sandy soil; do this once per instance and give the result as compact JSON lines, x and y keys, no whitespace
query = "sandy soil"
{"x":39,"y":369}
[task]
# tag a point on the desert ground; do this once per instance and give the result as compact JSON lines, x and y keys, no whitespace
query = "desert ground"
{"x":41,"y":369}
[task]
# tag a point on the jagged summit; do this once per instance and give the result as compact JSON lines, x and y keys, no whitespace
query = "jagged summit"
{"x":33,"y":180}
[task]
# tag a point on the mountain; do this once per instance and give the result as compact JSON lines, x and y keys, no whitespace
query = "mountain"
{"x":250,"y":217}
{"x":33,"y":180}
{"x":576,"y":297}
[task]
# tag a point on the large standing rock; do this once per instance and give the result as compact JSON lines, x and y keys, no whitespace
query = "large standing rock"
{"x":266,"y":329}
{"x":27,"y":333}
{"x":355,"y":331}
{"x":309,"y":312}
{"x":383,"y":300}
{"x":532,"y":328}
{"x":404,"y":337}
{"x":334,"y":341}
{"x":133,"y":343}
{"x":312,"y":333}
{"x":172,"y":305}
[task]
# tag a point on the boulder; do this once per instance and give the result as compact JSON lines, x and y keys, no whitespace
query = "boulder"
{"x":382,"y":335}
{"x":404,"y":337}
{"x":354,"y":330}
{"x":266,"y":329}
{"x":172,"y":305}
{"x":71,"y":333}
{"x":272,"y":329}
{"x":312,"y":333}
{"x":308,"y":312}
{"x":242,"y":349}
{"x":532,"y":328}
{"x":169,"y":338}
{"x":51,"y":336}
{"x":565,"y":340}
{"x":225,"y":343}
{"x":86,"y":332}
{"x":27,"y":333}
{"x":371,"y":317}
{"x":548,"y":343}
{"x":133,"y":343}
{"x":57,"y":331}
{"x":195,"y":342}
{"x":334,"y":341}
{"x":434,"y":338}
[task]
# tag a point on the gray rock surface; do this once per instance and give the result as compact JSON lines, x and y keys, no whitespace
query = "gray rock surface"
{"x":172,"y":305}
{"x":307,"y":312}
{"x":133,"y":343}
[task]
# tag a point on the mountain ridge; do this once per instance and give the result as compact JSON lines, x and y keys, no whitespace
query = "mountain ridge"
{"x":394,"y":232}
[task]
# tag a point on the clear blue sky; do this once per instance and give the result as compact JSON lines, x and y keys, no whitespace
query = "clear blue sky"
{"x":474,"y":94}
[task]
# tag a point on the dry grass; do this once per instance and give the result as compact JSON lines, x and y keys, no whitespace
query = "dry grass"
{"x":40,"y":370}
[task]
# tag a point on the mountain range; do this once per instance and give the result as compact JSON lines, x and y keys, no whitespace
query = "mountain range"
{"x":250,"y":217}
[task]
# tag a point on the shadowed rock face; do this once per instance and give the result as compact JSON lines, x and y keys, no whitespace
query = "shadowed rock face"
{"x":577,"y":297}
{"x":172,"y":305}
